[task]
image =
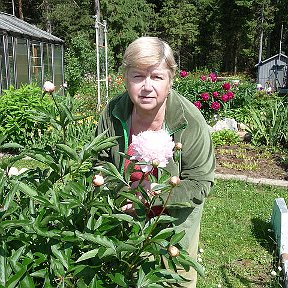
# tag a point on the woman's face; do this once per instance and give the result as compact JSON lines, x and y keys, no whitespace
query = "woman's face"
{"x":148,"y":88}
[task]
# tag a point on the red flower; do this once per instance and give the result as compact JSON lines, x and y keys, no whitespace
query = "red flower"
{"x":215,"y":105}
{"x":215,"y":94}
{"x":226,"y":86}
{"x":203,"y":77}
{"x":230,"y":94}
{"x":225,"y":98}
{"x":198,"y":104}
{"x":205,"y":96}
{"x":183,"y":73}
{"x":213,"y":77}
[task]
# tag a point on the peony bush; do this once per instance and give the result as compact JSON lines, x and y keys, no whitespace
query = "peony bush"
{"x":63,"y":225}
{"x":208,"y":94}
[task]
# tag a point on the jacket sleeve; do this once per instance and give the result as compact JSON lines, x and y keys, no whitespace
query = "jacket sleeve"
{"x":196,"y":166}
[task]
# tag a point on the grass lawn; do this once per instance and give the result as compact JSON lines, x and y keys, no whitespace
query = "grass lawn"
{"x":236,"y":238}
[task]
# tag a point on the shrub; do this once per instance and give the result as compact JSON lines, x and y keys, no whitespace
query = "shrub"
{"x":62,"y":227}
{"x":15,"y":121}
{"x":208,"y":95}
{"x":225,"y":137}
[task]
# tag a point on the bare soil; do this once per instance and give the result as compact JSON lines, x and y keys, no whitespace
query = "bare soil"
{"x":252,"y":162}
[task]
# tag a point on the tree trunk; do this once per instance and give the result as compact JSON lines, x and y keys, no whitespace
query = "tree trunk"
{"x":20,"y":9}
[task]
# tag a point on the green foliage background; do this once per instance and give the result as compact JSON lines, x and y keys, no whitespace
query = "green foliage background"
{"x":220,"y":35}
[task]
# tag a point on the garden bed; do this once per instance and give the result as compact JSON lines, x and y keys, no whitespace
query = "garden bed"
{"x":252,"y":162}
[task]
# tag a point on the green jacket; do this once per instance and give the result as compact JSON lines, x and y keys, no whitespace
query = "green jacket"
{"x":186,"y":125}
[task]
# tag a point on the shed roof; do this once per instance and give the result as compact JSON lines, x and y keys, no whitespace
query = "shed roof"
{"x":12,"y":25}
{"x":281,"y":56}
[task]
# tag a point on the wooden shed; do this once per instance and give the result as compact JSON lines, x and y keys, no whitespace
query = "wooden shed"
{"x":28,"y":54}
{"x":273,"y":72}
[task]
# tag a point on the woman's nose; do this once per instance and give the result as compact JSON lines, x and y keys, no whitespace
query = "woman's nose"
{"x":148,"y":84}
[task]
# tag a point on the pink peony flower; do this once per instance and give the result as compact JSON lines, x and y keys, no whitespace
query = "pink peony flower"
{"x":48,"y":87}
{"x":226,"y":86}
{"x":215,"y":94}
{"x":151,"y":146}
{"x":205,"y":96}
{"x":203,"y":77}
{"x":213,"y":77}
{"x":183,"y":73}
{"x":198,"y":104}
{"x":225,"y":98}
{"x":230,"y":94}
{"x":215,"y":105}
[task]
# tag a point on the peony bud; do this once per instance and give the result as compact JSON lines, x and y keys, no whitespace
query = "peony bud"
{"x":173,"y":251}
{"x":155,"y":163}
{"x":174,"y":180}
{"x":178,"y":146}
{"x":49,"y":87}
{"x":98,"y":180}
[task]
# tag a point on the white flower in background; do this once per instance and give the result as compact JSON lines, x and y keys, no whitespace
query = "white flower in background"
{"x":273,"y":273}
{"x":13,"y":171}
{"x":259,"y":86}
{"x":152,"y":147}
{"x":98,"y":180}
{"x":48,"y":87}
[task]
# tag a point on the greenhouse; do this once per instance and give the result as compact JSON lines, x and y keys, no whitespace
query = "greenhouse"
{"x":28,"y":54}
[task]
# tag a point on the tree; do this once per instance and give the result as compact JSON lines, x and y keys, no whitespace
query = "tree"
{"x":127,"y":20}
{"x":178,"y":24}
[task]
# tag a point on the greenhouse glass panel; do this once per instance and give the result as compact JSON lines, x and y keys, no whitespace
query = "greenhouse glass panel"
{"x":58,"y":68}
{"x":36,"y":63}
{"x":22,"y":62}
{"x":3,"y":78}
{"x":47,"y":61}
{"x":11,"y":61}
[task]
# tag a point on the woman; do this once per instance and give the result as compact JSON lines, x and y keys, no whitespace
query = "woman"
{"x":151,"y":104}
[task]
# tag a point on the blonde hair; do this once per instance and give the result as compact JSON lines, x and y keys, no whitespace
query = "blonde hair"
{"x":149,"y":51}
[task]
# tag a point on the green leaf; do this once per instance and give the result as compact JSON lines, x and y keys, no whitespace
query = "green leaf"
{"x":177,"y":237}
{"x":13,"y":223}
{"x":68,"y":151}
{"x":87,"y":255}
{"x":110,"y":170}
{"x":11,"y":146}
{"x":101,"y":240}
{"x":26,"y":189}
{"x":163,"y":234}
{"x":13,"y":281}
{"x":185,"y":259}
{"x":132,"y":197}
{"x":9,"y":198}
{"x":118,"y":279}
{"x":39,"y":273}
{"x":3,"y":264}
{"x":60,"y":256}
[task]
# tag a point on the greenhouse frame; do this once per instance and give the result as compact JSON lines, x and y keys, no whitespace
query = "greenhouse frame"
{"x":28,"y":54}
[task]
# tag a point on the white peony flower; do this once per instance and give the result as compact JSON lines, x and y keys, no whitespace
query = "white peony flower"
{"x":48,"y":87}
{"x":152,"y":147}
